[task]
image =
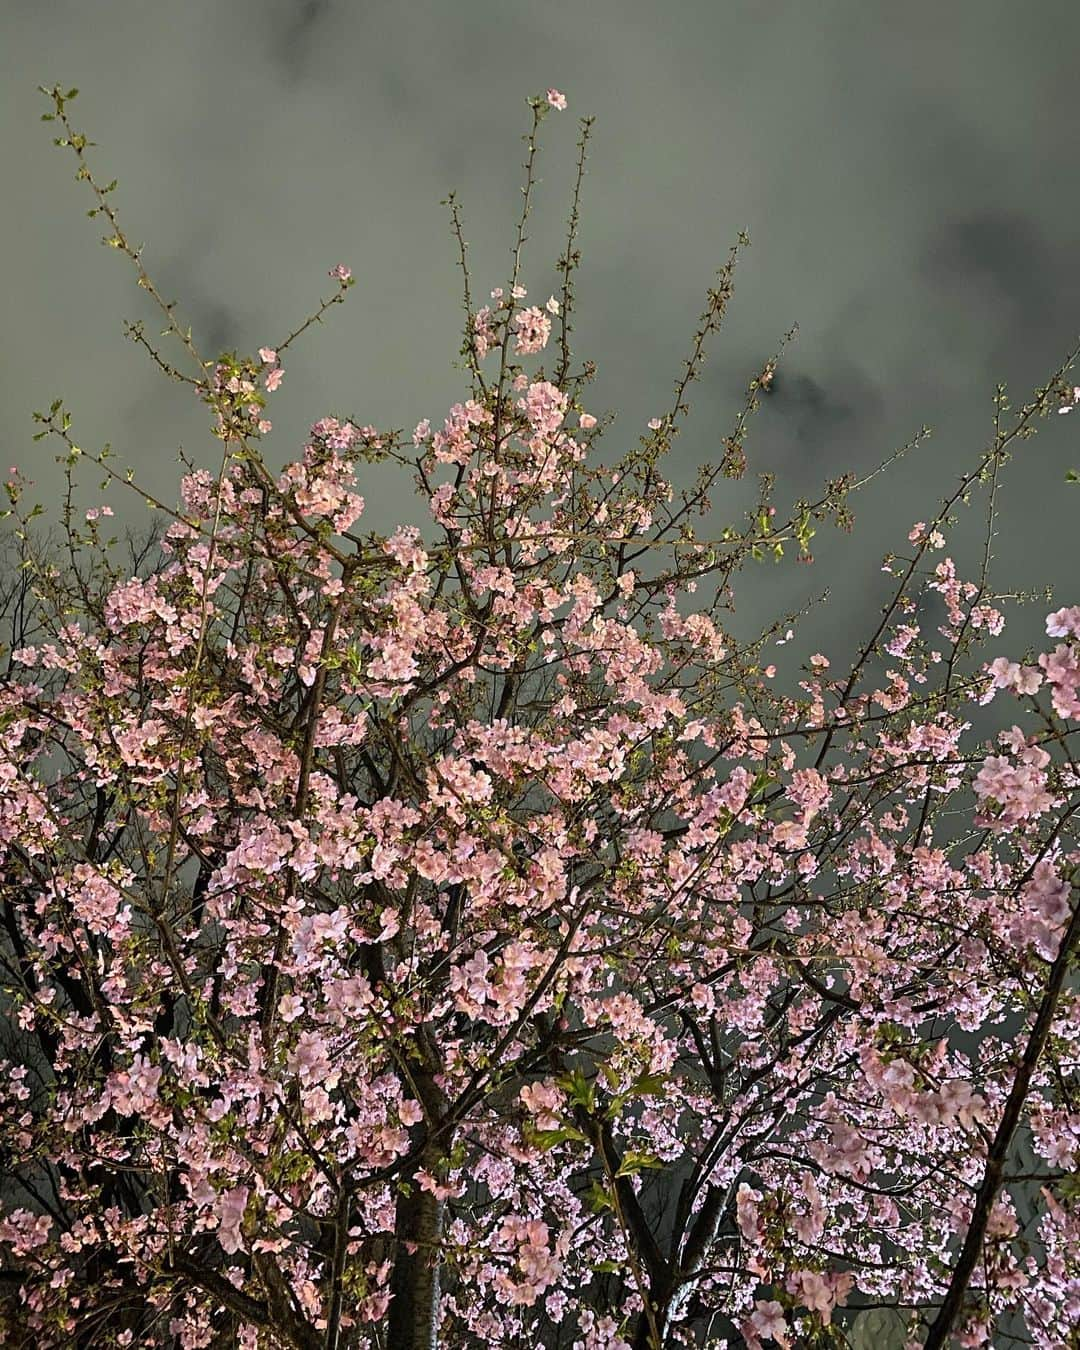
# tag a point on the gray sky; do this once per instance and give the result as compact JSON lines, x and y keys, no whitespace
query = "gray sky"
{"x":907,"y":174}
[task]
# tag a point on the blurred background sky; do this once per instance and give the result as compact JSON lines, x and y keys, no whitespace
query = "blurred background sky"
{"x":907,"y":173}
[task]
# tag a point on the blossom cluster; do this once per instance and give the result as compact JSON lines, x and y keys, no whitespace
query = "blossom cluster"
{"x":471,"y":900}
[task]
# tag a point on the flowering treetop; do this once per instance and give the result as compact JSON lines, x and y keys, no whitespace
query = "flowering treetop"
{"x":455,"y":936}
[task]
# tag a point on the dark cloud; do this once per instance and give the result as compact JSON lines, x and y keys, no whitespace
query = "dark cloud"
{"x":999,"y":273}
{"x":999,"y":255}
{"x":817,"y":413}
{"x":216,"y":324}
{"x":293,"y":31}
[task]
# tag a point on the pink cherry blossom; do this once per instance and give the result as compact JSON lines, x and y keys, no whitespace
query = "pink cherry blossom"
{"x":466,"y":928}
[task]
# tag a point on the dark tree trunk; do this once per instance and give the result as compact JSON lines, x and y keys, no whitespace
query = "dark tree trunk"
{"x":414,"y":1283}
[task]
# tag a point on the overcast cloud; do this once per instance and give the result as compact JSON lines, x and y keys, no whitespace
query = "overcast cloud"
{"x":906,"y":172}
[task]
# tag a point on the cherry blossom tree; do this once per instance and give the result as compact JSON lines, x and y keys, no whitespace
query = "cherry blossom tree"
{"x":458,"y":937}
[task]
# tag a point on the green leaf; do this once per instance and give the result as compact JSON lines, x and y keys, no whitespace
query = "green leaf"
{"x":649,"y":1085}
{"x":579,"y":1090}
{"x":549,"y":1139}
{"x":1069,"y":1186}
{"x":635,"y":1161}
{"x":598,"y":1199}
{"x":610,"y":1074}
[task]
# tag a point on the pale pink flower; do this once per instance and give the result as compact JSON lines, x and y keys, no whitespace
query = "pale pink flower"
{"x":543,"y":1103}
{"x":230,"y":1214}
{"x":767,"y":1322}
{"x":533,"y":330}
{"x":1064,"y":622}
{"x":410,"y":1112}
